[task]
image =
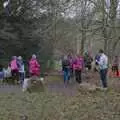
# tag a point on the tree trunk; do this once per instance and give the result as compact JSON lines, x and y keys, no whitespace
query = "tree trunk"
{"x":83,"y":41}
{"x":78,"y":46}
{"x":104,"y":31}
{"x":113,"y":13}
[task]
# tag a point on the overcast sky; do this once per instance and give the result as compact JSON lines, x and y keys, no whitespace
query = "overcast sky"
{"x":72,"y":11}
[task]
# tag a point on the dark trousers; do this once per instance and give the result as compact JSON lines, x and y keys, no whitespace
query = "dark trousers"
{"x":1,"y":75}
{"x":115,"y":69}
{"x":103,"y":76}
{"x":78,"y":76}
{"x":21,"y":77}
{"x":71,"y":73}
{"x":15,"y":74}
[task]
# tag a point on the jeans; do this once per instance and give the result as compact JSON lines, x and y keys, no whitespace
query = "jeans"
{"x":78,"y":76}
{"x":103,"y":76}
{"x":66,"y":75}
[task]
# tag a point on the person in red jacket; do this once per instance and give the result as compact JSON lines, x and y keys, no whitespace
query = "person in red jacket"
{"x":34,"y":66}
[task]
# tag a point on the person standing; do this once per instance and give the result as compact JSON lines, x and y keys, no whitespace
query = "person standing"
{"x":70,"y":58}
{"x":115,"y":66}
{"x":34,"y":66}
{"x":1,"y":73}
{"x":66,"y":70}
{"x":103,"y":66}
{"x":14,"y":68}
{"x":88,"y":61}
{"x":78,"y":66}
{"x":21,"y":70}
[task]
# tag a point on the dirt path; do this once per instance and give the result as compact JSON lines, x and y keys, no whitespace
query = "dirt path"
{"x":57,"y":85}
{"x":72,"y":88}
{"x":54,"y":86}
{"x":10,"y":89}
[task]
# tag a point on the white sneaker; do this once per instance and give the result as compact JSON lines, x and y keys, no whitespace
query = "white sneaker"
{"x":23,"y":90}
{"x":103,"y":89}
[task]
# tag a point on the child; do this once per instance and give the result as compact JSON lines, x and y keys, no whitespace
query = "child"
{"x":88,"y":61}
{"x":115,"y":66}
{"x":21,"y":69}
{"x":97,"y":59}
{"x":14,"y":68}
{"x":34,"y":66}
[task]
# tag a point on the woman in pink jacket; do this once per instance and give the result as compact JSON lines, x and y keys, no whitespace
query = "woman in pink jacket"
{"x":14,"y":68}
{"x":78,"y":66}
{"x":34,"y":66}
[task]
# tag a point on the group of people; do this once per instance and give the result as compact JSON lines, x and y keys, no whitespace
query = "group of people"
{"x":70,"y":65}
{"x":16,"y":68}
{"x":74,"y":65}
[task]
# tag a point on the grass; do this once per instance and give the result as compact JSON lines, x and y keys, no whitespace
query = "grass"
{"x":97,"y":105}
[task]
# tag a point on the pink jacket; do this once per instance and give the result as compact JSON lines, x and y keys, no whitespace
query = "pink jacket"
{"x":13,"y":65}
{"x":34,"y":67}
{"x":78,"y":63}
